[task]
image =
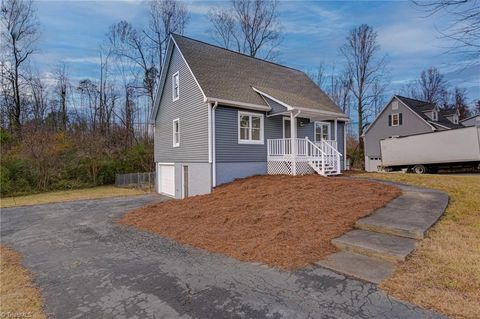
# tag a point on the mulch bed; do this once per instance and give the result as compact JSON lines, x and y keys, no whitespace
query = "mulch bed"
{"x":283,"y":221}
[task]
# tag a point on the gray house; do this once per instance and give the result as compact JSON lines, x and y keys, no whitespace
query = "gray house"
{"x":471,"y":121}
{"x":220,"y":115}
{"x":402,"y":117}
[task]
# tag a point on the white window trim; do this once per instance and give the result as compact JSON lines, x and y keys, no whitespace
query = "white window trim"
{"x":173,"y":86}
{"x":434,"y":115}
{"x":398,"y":119}
{"x":315,"y":130}
{"x":177,"y":144}
{"x":262,"y":128}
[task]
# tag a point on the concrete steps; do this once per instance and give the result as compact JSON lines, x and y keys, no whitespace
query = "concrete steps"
{"x":359,"y":266}
{"x":383,"y":246}
{"x":387,"y":236}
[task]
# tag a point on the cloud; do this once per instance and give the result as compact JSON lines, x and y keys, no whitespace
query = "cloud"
{"x":89,"y":60}
{"x":408,"y":39}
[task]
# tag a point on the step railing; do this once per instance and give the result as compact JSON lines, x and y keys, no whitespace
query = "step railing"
{"x":333,"y":155}
{"x":322,"y":156}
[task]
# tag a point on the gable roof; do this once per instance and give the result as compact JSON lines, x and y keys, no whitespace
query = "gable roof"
{"x":420,"y":107}
{"x":471,"y":117}
{"x":227,"y":75}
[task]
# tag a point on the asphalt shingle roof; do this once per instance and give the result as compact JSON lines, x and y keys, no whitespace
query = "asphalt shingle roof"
{"x":420,"y":107}
{"x":225,"y":74}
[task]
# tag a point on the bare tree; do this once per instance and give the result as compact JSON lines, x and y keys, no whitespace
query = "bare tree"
{"x":250,"y":27}
{"x":429,"y":87}
{"x":363,"y":66}
{"x":61,"y":93}
{"x":18,"y":36}
{"x":166,"y":16}
{"x":464,"y":29}
{"x":319,"y":76}
{"x":39,"y":94}
{"x":460,"y":103}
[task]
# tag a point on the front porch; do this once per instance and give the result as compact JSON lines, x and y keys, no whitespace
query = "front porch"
{"x":300,"y":156}
{"x":317,"y":152}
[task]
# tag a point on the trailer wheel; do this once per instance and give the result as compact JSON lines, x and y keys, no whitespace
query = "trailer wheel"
{"x":419,"y":169}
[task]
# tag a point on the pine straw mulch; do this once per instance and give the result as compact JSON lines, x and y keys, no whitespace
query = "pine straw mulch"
{"x":284,"y":221}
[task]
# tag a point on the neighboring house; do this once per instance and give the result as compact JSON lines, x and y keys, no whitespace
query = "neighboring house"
{"x":220,"y":115}
{"x":401,"y":117}
{"x":471,"y":121}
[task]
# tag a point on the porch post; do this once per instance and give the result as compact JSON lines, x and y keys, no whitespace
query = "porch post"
{"x":336,"y":129}
{"x":293,"y":136}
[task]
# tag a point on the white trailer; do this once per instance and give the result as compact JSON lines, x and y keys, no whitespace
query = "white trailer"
{"x":428,"y":152}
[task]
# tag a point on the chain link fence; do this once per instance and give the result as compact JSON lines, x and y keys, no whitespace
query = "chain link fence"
{"x":136,"y":180}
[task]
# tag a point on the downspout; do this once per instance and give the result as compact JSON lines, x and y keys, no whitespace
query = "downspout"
{"x":214,"y":151}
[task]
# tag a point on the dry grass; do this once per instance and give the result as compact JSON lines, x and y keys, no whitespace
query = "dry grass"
{"x":443,"y":273}
{"x":19,"y":298}
{"x":70,"y":195}
{"x":284,"y":221}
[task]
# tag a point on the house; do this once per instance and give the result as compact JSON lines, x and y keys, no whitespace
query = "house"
{"x":220,"y":115}
{"x":471,"y":121}
{"x":404,"y":116}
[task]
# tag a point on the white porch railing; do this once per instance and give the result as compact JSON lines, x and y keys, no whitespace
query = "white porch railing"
{"x":298,"y":156}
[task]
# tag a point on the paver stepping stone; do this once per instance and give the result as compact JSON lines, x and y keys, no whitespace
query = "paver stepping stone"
{"x":359,"y":266}
{"x":388,"y":235}
{"x":400,"y":222}
{"x":387,"y":247}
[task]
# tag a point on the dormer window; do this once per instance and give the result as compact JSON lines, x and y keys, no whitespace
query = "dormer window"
{"x":434,"y":115}
{"x":455,"y":119}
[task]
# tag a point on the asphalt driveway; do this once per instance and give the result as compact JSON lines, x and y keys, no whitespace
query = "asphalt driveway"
{"x":89,"y":267}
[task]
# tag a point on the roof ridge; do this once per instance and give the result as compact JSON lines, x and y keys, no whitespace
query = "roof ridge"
{"x":409,"y":98}
{"x":231,"y":51}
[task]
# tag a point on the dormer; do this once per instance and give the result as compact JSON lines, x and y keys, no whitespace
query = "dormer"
{"x":453,"y":115}
{"x":432,"y":113}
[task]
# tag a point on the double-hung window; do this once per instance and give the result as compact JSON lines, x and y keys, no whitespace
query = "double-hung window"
{"x":250,"y":128}
{"x":322,"y":131}
{"x":175,"y":86}
{"x":176,"y":133}
{"x":395,"y":119}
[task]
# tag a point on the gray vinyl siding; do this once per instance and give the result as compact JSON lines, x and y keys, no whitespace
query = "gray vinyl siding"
{"x":276,"y":107}
{"x":193,"y":115}
{"x":228,"y":150}
{"x":226,"y":137}
{"x":412,"y":124}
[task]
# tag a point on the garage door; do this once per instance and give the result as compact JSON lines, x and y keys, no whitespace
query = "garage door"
{"x":167,"y":179}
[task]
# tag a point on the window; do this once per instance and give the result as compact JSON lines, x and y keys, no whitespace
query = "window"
{"x":322,"y":131}
{"x":175,"y":86}
{"x":435,"y":115}
{"x":395,"y":119}
{"x":455,"y":119}
{"x":395,"y":105}
{"x":176,"y":133}
{"x":250,"y":128}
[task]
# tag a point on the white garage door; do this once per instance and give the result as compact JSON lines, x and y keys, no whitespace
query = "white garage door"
{"x":166,"y":179}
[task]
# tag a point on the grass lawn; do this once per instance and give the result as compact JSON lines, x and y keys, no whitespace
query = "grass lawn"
{"x":443,"y":273}
{"x":284,"y":221}
{"x":19,"y":298}
{"x":69,"y":195}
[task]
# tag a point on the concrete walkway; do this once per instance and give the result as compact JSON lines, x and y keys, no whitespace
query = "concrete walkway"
{"x":89,"y":267}
{"x":387,"y":236}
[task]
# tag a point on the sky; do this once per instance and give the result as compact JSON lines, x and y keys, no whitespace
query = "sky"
{"x":312,"y":31}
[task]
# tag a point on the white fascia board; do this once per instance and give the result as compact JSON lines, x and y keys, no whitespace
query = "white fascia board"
{"x":273,"y":99}
{"x":250,"y":106}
